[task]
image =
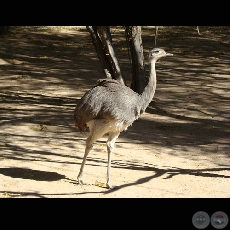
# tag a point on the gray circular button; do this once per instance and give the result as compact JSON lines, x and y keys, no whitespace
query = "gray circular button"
{"x":201,"y":220}
{"x":219,"y":220}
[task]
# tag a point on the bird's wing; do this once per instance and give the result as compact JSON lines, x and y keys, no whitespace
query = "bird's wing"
{"x":109,"y":100}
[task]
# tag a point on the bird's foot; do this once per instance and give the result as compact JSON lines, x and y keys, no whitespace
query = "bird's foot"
{"x":109,"y":186}
{"x":81,"y":182}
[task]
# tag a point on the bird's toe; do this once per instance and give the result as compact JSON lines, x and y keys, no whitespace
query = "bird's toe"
{"x":109,"y":186}
{"x":80,"y":181}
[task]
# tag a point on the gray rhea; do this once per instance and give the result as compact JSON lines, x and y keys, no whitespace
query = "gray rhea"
{"x":110,"y":107}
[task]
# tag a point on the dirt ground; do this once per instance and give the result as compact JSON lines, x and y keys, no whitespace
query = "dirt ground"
{"x":178,"y":148}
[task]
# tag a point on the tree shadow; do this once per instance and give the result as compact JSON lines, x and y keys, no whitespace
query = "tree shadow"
{"x":12,"y":194}
{"x":31,"y":174}
{"x":167,"y":173}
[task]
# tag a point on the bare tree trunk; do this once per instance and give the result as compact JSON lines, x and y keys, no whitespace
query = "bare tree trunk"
{"x":102,"y":41}
{"x":133,"y":35}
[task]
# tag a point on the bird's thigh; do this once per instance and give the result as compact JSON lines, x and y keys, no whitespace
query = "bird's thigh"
{"x":98,"y":127}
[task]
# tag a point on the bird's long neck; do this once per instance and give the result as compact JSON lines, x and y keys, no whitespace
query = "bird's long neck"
{"x":147,"y":95}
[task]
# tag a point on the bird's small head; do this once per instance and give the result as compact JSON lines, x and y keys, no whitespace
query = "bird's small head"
{"x":157,"y":53}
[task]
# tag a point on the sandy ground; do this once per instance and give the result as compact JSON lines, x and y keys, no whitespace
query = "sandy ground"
{"x":178,"y":148}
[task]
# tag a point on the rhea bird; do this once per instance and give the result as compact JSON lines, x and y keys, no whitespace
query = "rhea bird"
{"x":111,"y":107}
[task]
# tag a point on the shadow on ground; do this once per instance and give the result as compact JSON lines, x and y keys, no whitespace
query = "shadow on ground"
{"x":44,"y":72}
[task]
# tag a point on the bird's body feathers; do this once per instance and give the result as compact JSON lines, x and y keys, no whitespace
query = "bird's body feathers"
{"x":109,"y":100}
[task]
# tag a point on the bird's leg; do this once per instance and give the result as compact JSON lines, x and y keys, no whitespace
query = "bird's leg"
{"x":97,"y":129}
{"x":89,"y":146}
{"x":110,"y":146}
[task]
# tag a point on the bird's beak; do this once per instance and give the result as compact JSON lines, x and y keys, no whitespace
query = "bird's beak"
{"x":169,"y":54}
